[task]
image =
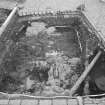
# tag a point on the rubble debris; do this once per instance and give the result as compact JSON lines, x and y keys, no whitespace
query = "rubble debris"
{"x":50,"y":30}
{"x":3,"y":15}
{"x":40,"y":64}
{"x":35,"y":28}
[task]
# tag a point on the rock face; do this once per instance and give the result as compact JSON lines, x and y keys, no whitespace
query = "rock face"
{"x":45,"y":62}
{"x":3,"y":15}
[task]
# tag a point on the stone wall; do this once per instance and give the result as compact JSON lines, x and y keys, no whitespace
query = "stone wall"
{"x":33,"y":100}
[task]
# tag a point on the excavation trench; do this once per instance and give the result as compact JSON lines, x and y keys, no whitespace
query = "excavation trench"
{"x":47,"y":57}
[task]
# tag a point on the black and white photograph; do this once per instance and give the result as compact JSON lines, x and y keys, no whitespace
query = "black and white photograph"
{"x":52,"y":52}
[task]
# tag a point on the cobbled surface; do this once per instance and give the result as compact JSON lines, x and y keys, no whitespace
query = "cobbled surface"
{"x":55,"y":101}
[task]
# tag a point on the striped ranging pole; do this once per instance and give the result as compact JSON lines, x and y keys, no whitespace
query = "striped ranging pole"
{"x":7,"y":21}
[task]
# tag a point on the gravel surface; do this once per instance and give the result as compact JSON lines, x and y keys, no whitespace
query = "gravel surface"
{"x":96,"y":14}
{"x":42,"y":5}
